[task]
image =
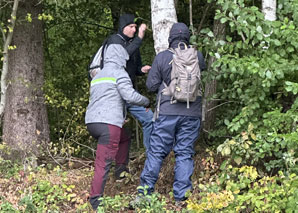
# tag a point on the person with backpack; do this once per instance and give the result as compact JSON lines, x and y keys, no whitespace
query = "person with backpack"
{"x":110,"y":90}
{"x":126,"y":37}
{"x":175,"y":76}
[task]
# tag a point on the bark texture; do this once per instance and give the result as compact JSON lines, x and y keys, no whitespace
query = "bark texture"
{"x":25,"y":125}
{"x":269,"y":9}
{"x":209,"y":105}
{"x":163,"y":16}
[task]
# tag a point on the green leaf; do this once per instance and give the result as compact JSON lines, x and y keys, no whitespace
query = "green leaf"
{"x":193,"y":39}
{"x":223,"y":20}
{"x":269,"y":74}
{"x":226,"y":151}
{"x":224,"y":165}
{"x":221,"y":42}
{"x":210,"y":34}
{"x":259,"y":37}
{"x":238,"y":160}
{"x":227,"y":122}
{"x":229,"y":38}
{"x":259,"y":29}
{"x":290,"y":49}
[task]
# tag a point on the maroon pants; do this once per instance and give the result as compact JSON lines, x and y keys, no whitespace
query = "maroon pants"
{"x":113,"y":145}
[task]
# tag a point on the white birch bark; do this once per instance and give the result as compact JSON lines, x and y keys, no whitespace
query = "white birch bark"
{"x":7,"y":41}
{"x":269,"y":9}
{"x":163,"y":15}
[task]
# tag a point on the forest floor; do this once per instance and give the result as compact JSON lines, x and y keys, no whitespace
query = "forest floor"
{"x":13,"y":189}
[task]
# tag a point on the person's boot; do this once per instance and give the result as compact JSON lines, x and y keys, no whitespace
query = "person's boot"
{"x":95,"y":202}
{"x":119,"y":169}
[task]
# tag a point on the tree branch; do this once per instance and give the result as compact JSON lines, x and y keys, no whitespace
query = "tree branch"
{"x":7,"y":43}
{"x":3,"y":34}
{"x":203,"y":17}
{"x":190,"y":17}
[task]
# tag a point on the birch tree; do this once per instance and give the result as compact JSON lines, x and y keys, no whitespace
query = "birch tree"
{"x":269,"y":9}
{"x":163,"y":16}
{"x":7,"y":38}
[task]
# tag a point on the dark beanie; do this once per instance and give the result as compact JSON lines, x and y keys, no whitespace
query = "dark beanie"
{"x":124,"y":20}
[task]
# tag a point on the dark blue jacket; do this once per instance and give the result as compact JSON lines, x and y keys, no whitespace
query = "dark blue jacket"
{"x":161,"y":71}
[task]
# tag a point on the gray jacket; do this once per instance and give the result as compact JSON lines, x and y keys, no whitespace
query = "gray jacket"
{"x":111,"y":88}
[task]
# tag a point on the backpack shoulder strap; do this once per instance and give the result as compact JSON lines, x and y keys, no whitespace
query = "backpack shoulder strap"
{"x":104,"y":45}
{"x":172,"y":51}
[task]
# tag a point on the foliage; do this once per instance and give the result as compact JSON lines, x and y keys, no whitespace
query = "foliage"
{"x":6,"y":206}
{"x":113,"y":204}
{"x":243,"y":189}
{"x":72,"y":37}
{"x":272,"y":145}
{"x":149,"y":202}
{"x":256,"y":70}
{"x":11,"y":168}
{"x":40,"y":190}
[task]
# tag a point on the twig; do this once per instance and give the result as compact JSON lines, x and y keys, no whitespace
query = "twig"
{"x":7,"y":42}
{"x":93,"y":150}
{"x":84,"y":22}
{"x":5,"y":5}
{"x":53,"y":157}
{"x":3,"y":34}
{"x":220,"y":136}
{"x":203,"y":17}
{"x":220,"y":105}
{"x":68,"y":127}
{"x":190,"y":16}
{"x":241,"y":33}
{"x":84,"y":163}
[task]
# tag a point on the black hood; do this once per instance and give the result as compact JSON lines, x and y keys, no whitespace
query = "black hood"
{"x":124,"y":20}
{"x":179,"y":32}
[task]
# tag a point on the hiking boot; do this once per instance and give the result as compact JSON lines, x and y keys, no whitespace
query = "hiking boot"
{"x":120,"y":171}
{"x":95,"y":202}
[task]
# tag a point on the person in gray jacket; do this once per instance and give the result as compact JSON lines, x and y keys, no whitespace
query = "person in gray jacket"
{"x":110,"y":90}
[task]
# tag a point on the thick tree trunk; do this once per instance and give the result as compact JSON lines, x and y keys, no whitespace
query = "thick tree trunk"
{"x":25,"y":125}
{"x":269,"y":9}
{"x":163,"y":15}
{"x":209,"y":105}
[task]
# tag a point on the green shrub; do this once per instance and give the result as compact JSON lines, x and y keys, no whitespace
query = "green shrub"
{"x":6,"y":206}
{"x":255,"y":68}
{"x":244,"y":190}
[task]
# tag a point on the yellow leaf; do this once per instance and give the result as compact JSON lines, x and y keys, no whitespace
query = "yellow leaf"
{"x":253,"y":136}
